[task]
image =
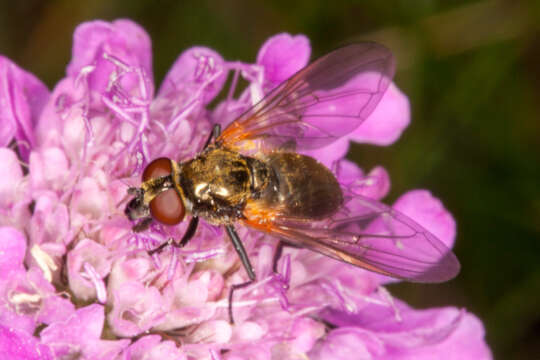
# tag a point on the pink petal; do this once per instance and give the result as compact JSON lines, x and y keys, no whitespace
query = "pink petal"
{"x":429,"y":212}
{"x":466,"y":342}
{"x":348,"y":172}
{"x":14,"y":195}
{"x":248,"y":331}
{"x":213,"y":331}
{"x":50,"y":221}
{"x":80,"y":335}
{"x":135,"y":269}
{"x":22,"y":98}
{"x":151,"y":347}
{"x":88,"y":201}
{"x":141,"y":347}
{"x":56,"y":308}
{"x":122,"y":39}
{"x":12,"y":251}
{"x":305,"y":332}
{"x":165,"y":350}
{"x":132,"y":315}
{"x":15,"y":344}
{"x":195,"y":67}
{"x":374,"y":185}
{"x":188,"y":301}
{"x":446,"y":333}
{"x":12,"y":176}
{"x":48,"y":168}
{"x":347,"y":343}
{"x":283,"y":55}
{"x":416,"y":327}
{"x":85,"y":324}
{"x":11,"y":319}
{"x":212,"y":281}
{"x":388,"y":120}
{"x":90,"y":252}
{"x":58,"y":111}
{"x":330,"y":154}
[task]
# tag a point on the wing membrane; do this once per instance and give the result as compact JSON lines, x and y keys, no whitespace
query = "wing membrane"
{"x":322,"y":102}
{"x":373,"y":236}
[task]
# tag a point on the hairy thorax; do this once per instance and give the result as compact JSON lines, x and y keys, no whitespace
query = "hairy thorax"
{"x":218,"y":183}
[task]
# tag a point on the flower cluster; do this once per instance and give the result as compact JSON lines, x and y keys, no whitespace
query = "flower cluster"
{"x":77,"y":283}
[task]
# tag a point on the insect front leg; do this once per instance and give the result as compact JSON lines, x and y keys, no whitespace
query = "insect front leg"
{"x":190,"y":232}
{"x":241,"y":251}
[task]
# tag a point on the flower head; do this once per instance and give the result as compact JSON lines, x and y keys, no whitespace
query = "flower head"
{"x":78,"y":283}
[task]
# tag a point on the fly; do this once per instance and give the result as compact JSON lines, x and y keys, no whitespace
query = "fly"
{"x":272,"y":188}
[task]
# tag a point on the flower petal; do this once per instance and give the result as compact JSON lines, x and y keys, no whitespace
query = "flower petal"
{"x":15,"y":344}
{"x":22,"y":98}
{"x":48,"y":168}
{"x":122,"y":39}
{"x":11,"y":176}
{"x":447,"y":333}
{"x":12,"y":251}
{"x":348,"y":343}
{"x":87,"y":252}
{"x":282,"y":56}
{"x":198,"y":69}
{"x":132,"y":315}
{"x":374,"y":185}
{"x":89,"y":200}
{"x":151,"y":347}
{"x":50,"y":222}
{"x":330,"y":154}
{"x":388,"y":120}
{"x":429,"y":212}
{"x":80,"y":335}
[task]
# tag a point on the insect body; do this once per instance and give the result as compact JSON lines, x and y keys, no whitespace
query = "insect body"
{"x":252,"y":174}
{"x":218,"y":183}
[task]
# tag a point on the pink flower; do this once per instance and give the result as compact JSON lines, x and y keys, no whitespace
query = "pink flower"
{"x":77,"y":282}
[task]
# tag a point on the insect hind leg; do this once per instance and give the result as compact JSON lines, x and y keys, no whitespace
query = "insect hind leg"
{"x":235,"y":287}
{"x":242,"y":254}
{"x":278,"y":252}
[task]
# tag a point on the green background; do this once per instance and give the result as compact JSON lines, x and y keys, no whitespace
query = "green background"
{"x":471,"y":70}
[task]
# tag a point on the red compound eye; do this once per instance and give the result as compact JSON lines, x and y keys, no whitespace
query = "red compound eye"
{"x":156,"y":168}
{"x":167,"y":207}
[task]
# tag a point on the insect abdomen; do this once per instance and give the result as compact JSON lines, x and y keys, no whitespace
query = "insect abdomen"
{"x":305,"y":188}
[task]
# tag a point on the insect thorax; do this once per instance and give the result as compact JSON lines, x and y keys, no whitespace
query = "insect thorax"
{"x":218,"y":183}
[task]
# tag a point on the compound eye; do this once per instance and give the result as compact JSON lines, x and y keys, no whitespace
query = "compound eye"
{"x":167,"y":207}
{"x":157,"y":168}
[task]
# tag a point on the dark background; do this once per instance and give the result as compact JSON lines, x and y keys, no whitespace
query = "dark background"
{"x":471,"y":70}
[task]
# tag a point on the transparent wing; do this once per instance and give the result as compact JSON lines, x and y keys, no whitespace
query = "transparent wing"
{"x":322,"y":102}
{"x":371,"y":235}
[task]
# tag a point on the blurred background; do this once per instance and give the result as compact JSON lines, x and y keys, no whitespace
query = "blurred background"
{"x":471,"y":70}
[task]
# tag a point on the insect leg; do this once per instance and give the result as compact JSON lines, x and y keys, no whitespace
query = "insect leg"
{"x":142,"y":225}
{"x":216,"y":130}
{"x":192,"y":227}
{"x":241,"y":251}
{"x":279,"y":252}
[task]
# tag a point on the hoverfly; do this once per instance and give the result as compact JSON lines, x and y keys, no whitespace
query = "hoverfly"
{"x":251,"y":173}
